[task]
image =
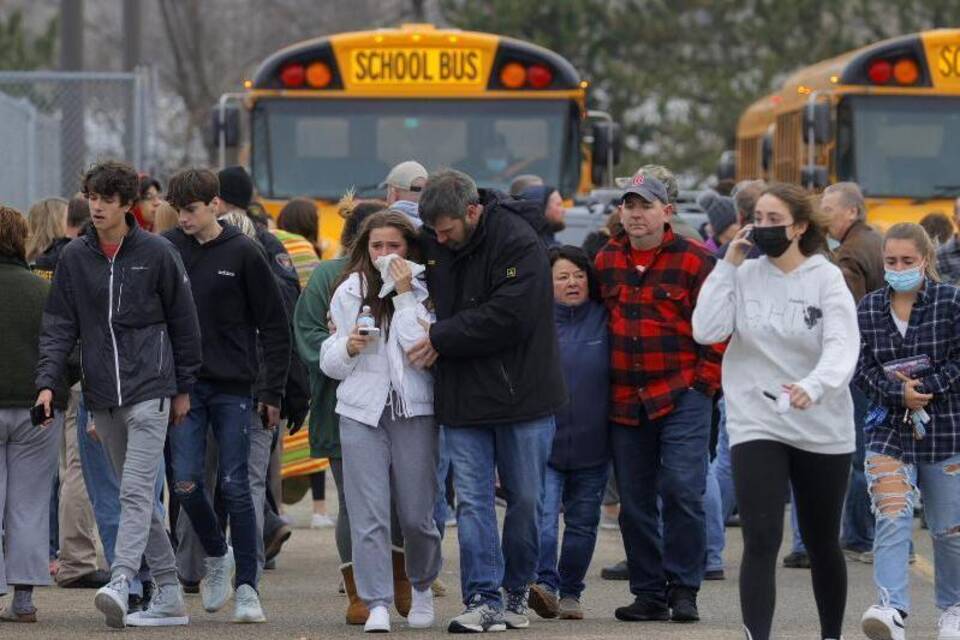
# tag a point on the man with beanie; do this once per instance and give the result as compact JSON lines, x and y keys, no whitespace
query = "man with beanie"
{"x":404,"y":184}
{"x":722,"y":214}
{"x":550,"y":216}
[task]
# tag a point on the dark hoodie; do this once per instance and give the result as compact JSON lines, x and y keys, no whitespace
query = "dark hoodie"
{"x":237,"y":297}
{"x":536,"y":217}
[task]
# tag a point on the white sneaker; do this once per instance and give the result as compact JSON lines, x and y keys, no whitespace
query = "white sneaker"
{"x":322,"y":521}
{"x":166,"y":609}
{"x":247,"y":605}
{"x":950,"y":624}
{"x":217,"y":585}
{"x":883,"y":623}
{"x":378,"y":621}
{"x":111,"y":600}
{"x":421,"y":613}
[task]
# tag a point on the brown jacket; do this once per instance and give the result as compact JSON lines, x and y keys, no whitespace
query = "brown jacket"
{"x":860,"y":257}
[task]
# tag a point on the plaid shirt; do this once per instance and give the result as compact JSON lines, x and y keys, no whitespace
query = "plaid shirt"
{"x":948,"y":261}
{"x":654,"y":358}
{"x":934,"y":331}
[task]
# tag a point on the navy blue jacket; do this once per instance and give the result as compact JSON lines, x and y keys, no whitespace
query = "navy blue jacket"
{"x":581,"y":439}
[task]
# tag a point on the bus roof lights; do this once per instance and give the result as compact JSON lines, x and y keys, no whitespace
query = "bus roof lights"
{"x":539,"y":76}
{"x":293,"y":76}
{"x":318,"y":75}
{"x":906,"y":71}
{"x":880,"y":71}
{"x":513,"y":75}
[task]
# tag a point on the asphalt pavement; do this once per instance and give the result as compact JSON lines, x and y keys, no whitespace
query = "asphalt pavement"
{"x":301,"y":601}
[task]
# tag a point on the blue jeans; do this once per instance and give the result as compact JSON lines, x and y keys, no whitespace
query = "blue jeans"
{"x":669,"y":453}
{"x":441,"y":509}
{"x":858,"y":522}
{"x":722,"y":467}
{"x":519,"y":453}
{"x":103,"y":489}
{"x":713,"y":510}
{"x":229,"y":417}
{"x":893,"y":487}
{"x":797,"y":545}
{"x":578,"y":494}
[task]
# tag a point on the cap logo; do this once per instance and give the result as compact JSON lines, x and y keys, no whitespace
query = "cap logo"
{"x":638,"y":180}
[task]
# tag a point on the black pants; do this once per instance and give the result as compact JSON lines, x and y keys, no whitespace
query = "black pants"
{"x":762,"y":472}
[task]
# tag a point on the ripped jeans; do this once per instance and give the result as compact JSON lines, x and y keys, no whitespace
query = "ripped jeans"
{"x":893,"y":488}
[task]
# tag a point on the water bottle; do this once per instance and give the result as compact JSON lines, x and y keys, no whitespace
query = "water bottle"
{"x":366,"y":323}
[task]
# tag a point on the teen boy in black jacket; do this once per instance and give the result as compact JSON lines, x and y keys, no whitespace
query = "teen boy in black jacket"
{"x":238,"y":301}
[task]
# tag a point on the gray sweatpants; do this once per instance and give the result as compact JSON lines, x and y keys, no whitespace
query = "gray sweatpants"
{"x":28,"y":460}
{"x":133,"y":438}
{"x":402,"y":453}
{"x":190,"y":553}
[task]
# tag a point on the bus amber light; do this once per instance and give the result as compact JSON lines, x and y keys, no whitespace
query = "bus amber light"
{"x":318,"y":75}
{"x":539,"y":76}
{"x":293,"y":76}
{"x":880,"y":72}
{"x":513,"y":75}
{"x":906,"y":72}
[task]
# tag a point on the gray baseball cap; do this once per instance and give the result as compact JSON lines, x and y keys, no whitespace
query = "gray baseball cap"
{"x":646,"y":187}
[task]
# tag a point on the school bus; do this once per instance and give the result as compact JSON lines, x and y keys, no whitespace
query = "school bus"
{"x":333,"y":113}
{"x":886,"y":116}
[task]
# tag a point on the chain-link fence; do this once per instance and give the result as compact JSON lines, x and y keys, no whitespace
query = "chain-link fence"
{"x":53,"y":125}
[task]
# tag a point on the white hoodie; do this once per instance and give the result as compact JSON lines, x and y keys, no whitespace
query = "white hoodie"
{"x":799,"y":327}
{"x":369,"y":376}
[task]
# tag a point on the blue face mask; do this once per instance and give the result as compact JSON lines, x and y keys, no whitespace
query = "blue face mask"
{"x":496,"y":165}
{"x":907,"y":280}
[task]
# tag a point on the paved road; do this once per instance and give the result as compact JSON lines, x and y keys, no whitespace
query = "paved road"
{"x":301,"y":602}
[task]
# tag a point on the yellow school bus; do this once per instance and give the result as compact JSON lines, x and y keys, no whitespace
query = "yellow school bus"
{"x":886,"y":116}
{"x":333,"y":113}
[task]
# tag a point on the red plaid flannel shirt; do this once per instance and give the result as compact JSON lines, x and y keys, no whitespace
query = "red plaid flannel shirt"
{"x":653,"y":357}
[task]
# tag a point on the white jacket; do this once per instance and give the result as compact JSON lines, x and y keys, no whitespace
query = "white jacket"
{"x":368,"y":377}
{"x":799,"y":327}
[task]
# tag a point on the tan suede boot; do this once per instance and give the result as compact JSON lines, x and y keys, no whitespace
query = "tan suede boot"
{"x":357,"y":612}
{"x":402,"y":590}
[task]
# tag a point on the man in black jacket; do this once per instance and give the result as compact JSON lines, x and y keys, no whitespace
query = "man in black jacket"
{"x":124,"y":294}
{"x":498,"y":383}
{"x":238,"y":303}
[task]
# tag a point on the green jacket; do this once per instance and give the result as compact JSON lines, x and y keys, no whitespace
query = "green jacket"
{"x":22,"y":298}
{"x":310,"y":330}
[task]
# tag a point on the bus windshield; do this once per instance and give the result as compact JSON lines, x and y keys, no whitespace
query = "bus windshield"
{"x":900,"y":146}
{"x":321,"y":148}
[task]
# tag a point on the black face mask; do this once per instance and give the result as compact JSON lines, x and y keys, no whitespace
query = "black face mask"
{"x":771,"y":241}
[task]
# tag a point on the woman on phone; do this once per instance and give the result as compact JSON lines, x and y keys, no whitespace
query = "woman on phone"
{"x":387,"y":431}
{"x":910,"y":368}
{"x":792,"y":326}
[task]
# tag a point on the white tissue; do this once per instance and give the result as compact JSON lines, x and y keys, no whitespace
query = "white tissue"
{"x":383,"y":265}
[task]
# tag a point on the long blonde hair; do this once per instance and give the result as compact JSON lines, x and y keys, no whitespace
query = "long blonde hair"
{"x":166,"y":218}
{"x":921,"y":240}
{"x":47,"y":219}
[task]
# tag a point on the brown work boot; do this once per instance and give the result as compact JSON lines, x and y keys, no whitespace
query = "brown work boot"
{"x":402,"y":591}
{"x":357,"y":612}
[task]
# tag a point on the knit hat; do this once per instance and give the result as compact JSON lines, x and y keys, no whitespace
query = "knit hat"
{"x":538,"y":193}
{"x":236,"y":188}
{"x":721,"y":210}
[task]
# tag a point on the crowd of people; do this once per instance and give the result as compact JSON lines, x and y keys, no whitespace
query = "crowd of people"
{"x":165,"y":339}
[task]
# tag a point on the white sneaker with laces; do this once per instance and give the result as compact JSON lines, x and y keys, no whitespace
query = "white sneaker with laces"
{"x":111,"y":600}
{"x":421,"y":614}
{"x":247,"y":607}
{"x":378,"y":621}
{"x":322,"y":521}
{"x":217,"y":585}
{"x":950,"y":624}
{"x":883,"y":623}
{"x":166,"y":609}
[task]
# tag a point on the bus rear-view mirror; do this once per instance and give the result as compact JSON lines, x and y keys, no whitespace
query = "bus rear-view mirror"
{"x":816,"y":121}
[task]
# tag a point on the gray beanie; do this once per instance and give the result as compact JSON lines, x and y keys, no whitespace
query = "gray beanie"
{"x":721,"y":210}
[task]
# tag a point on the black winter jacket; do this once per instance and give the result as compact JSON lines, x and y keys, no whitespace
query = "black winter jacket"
{"x":237,"y":299}
{"x":134,"y":316}
{"x":495,"y":334}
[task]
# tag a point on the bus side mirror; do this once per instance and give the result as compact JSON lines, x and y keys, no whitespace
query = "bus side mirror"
{"x":727,"y":169}
{"x":607,"y":144}
{"x":814,"y":176}
{"x":816,"y":121}
{"x":228,"y":127}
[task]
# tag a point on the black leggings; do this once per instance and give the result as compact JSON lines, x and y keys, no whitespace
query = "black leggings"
{"x":762,"y":473}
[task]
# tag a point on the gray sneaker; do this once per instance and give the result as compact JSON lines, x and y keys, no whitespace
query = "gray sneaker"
{"x":217,"y":585}
{"x":570,"y":608}
{"x":111,"y":601}
{"x":247,"y":605}
{"x":478,"y":617}
{"x":515,"y":612}
{"x":166,"y":609}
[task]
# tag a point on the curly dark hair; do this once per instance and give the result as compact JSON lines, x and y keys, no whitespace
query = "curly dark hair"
{"x":112,"y":178}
